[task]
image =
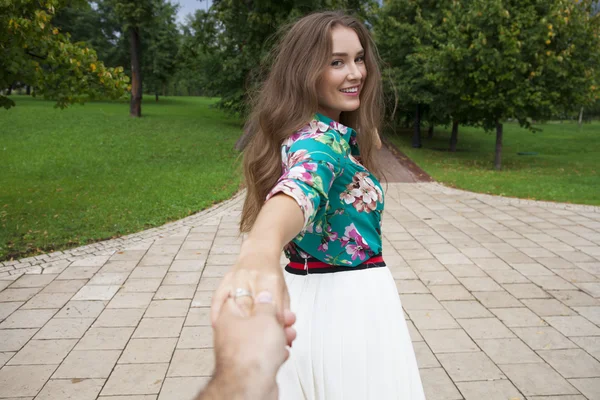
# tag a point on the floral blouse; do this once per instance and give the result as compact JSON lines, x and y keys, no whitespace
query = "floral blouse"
{"x":341,"y":200}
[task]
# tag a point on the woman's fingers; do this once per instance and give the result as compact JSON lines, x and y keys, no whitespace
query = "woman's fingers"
{"x":290,"y":335}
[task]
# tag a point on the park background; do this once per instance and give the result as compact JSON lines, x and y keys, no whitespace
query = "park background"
{"x":492,"y":96}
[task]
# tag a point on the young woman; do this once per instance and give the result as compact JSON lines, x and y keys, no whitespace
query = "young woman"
{"x":311,"y":191}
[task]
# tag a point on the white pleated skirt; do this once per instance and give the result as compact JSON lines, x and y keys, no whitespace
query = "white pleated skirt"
{"x":352,"y":343}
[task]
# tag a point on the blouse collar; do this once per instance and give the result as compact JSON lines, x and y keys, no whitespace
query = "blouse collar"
{"x":346,"y":132}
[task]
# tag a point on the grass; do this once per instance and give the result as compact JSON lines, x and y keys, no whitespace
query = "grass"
{"x":566,"y":168}
{"x":75,"y":176}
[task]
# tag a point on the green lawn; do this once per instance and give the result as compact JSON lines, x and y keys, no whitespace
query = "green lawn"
{"x":566,"y":169}
{"x":91,"y":172}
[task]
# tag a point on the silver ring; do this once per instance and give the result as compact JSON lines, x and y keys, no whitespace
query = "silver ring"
{"x":241,"y":292}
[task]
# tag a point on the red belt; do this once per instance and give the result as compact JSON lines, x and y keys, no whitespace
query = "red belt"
{"x":319,"y":267}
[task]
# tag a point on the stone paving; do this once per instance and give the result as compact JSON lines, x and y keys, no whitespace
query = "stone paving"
{"x":502,"y":298}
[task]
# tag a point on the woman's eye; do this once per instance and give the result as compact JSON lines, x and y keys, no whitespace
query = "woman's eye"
{"x":360,"y":59}
{"x":336,"y":63}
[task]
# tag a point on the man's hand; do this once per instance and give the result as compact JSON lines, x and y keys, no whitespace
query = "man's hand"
{"x":249,"y":351}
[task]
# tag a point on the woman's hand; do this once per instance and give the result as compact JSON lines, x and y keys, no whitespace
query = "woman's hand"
{"x":254,"y":272}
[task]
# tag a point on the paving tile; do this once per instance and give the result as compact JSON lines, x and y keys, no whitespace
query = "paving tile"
{"x":438,"y":278}
{"x":507,"y":276}
{"x":97,"y":292}
{"x":438,"y":386}
{"x":168,"y":308}
{"x":525,"y":291}
{"x":109,"y":278}
{"x":485,"y":328}
{"x":12,"y":383}
{"x":130,"y":300}
{"x":537,"y":379}
{"x":47,"y":300}
{"x":19,"y":294}
{"x":508,"y":351}
{"x":198,"y":316}
{"x":159,"y":327}
{"x":65,"y":286}
{"x":425,"y":358}
{"x":187,"y":265}
{"x":77,"y":273}
{"x":175,"y":292}
{"x":488,"y":264}
{"x":139,"y":397}
{"x":128,"y":255}
{"x":533,"y":269}
{"x":567,"y":397}
{"x":105,"y":339}
{"x":548,"y":307}
{"x":432,"y":319}
{"x":591,"y":288}
{"x":118,"y":266}
{"x":591,"y":344}
{"x":494,"y":390}
{"x":88,"y":364}
{"x":28,"y":319}
{"x":450,"y":292}
{"x":64,"y":328}
{"x":572,"y":363}
{"x":410,"y":302}
{"x":480,"y":284}
{"x":466,"y":309}
{"x":590,"y":387}
{"x":413,"y":332}
{"x":182,"y":278}
{"x":453,"y":258}
{"x":573,"y":326}
{"x":81,"y":309}
{"x":131,"y":379}
{"x":195,"y":337}
{"x":591,"y":313}
{"x":518,"y":317}
{"x":8,"y":308}
{"x":543,"y":338}
{"x":215,"y":271}
{"x":497,"y":299}
{"x":149,"y":272}
{"x":397,"y":273}
{"x":43,"y":352}
{"x":182,"y":387}
{"x":137,"y":351}
{"x":70,"y":389}
{"x":33,"y":281}
{"x":449,"y":341}
{"x":472,"y":366}
{"x":467,"y":270}
{"x":119,"y":317}
{"x":14,"y":339}
{"x":142,"y":285}
{"x":552,"y":283}
{"x":5,"y":356}
{"x":192,"y":362}
{"x":91,"y":261}
{"x":576,"y":275}
{"x":410,"y":286}
{"x":573,"y":298}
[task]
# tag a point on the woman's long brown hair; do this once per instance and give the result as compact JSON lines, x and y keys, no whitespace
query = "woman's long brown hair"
{"x":288,"y":100}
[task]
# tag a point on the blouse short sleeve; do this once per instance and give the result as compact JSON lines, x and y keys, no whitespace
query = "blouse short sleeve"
{"x":310,"y":166}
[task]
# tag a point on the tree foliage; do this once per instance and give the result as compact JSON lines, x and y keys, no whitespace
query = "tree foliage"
{"x":36,"y":53}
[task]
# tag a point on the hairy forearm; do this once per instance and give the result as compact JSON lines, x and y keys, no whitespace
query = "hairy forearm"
{"x":278,"y":222}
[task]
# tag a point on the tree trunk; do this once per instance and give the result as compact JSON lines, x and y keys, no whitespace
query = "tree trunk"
{"x":28,"y":90}
{"x":9,"y":91}
{"x":498,"y":157}
{"x":156,"y":96}
{"x":416,"y":142}
{"x":580,"y":116}
{"x":135,"y":106}
{"x":454,"y":136}
{"x":430,"y":132}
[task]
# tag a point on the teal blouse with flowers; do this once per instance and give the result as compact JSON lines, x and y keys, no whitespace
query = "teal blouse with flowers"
{"x":341,"y":200}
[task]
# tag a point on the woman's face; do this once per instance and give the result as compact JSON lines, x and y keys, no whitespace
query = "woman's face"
{"x":340,"y":84}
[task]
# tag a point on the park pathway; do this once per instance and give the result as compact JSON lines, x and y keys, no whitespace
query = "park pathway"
{"x":502,"y":298}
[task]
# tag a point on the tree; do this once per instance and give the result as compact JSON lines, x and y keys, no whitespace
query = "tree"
{"x":160,"y":57}
{"x":35,"y":53}
{"x":528,"y":60}
{"x":134,"y":15}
